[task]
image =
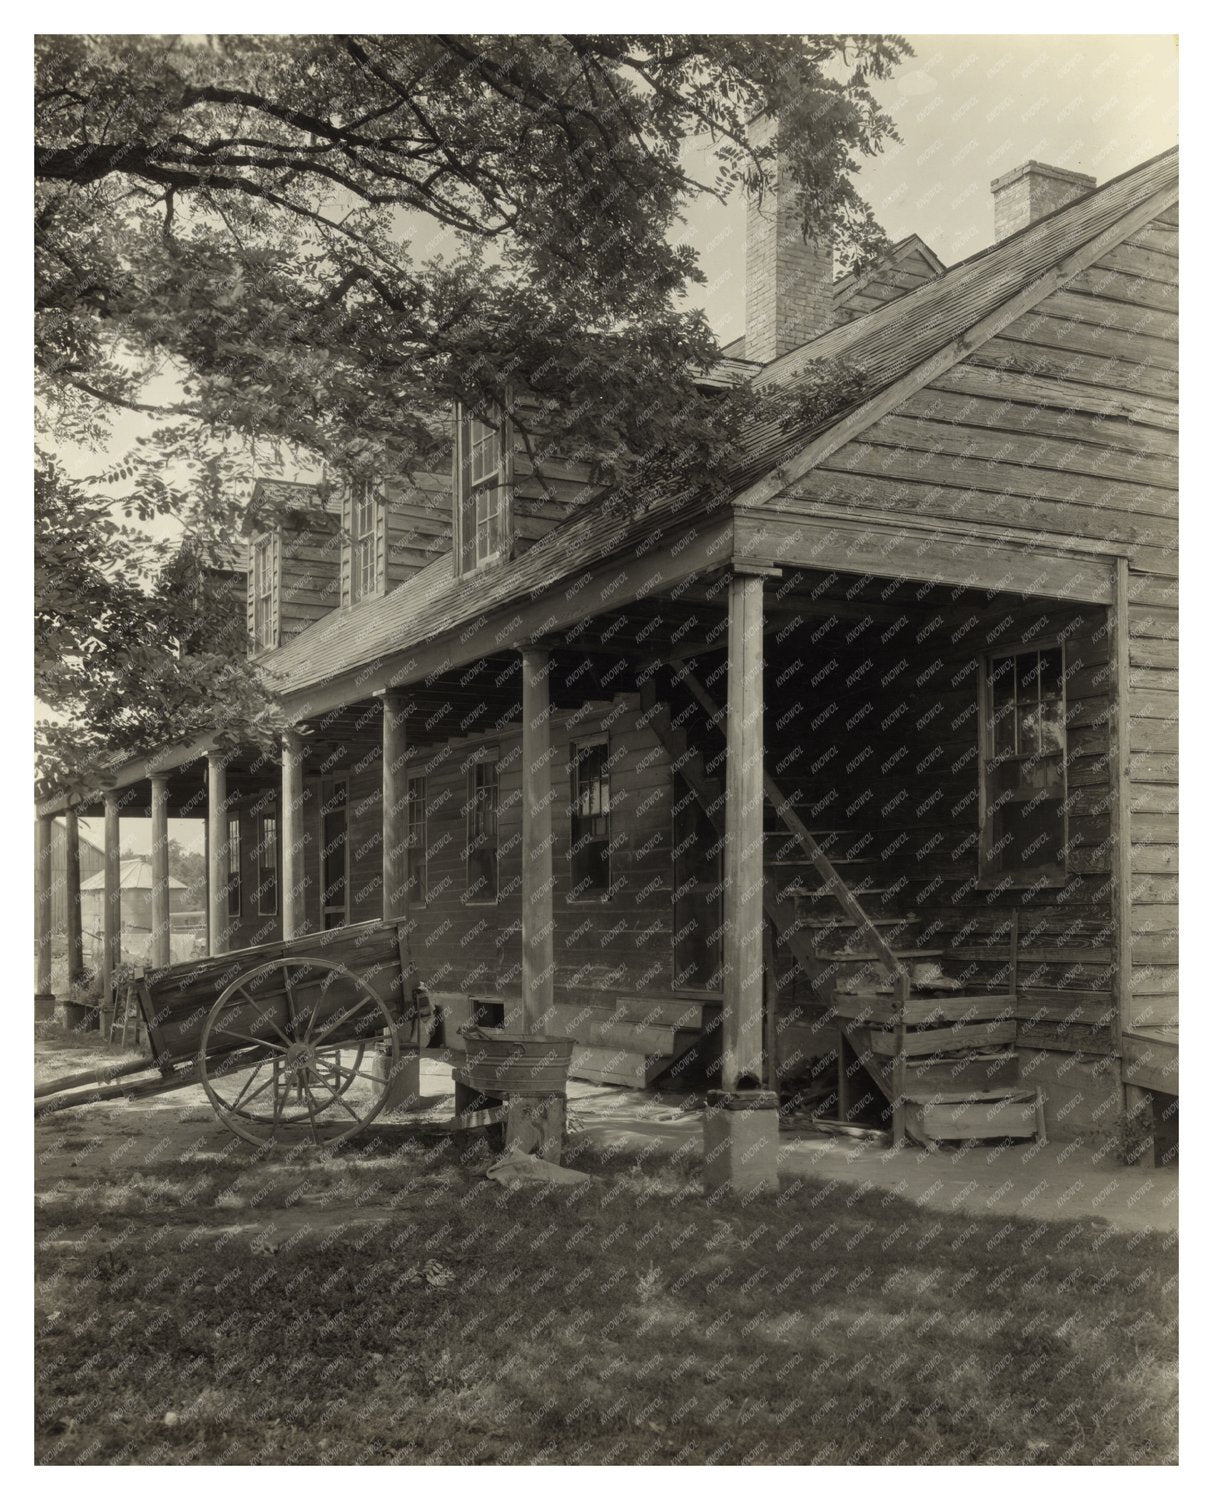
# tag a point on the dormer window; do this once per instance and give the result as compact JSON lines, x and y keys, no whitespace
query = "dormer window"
{"x":265,"y":632}
{"x":483,"y":507}
{"x":364,"y":528}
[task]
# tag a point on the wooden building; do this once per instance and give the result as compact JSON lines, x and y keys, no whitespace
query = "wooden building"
{"x":135,"y":925}
{"x":697,"y":785}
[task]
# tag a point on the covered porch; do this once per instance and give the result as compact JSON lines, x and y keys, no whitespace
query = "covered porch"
{"x":576,"y":829}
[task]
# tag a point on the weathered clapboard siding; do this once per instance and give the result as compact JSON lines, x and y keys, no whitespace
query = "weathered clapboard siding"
{"x":417,"y":525}
{"x":620,"y":944}
{"x":308,"y":573}
{"x":886,"y":282}
{"x":1064,"y":424}
{"x":549,"y":483}
{"x":605,"y":947}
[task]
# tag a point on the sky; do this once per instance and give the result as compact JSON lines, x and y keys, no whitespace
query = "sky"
{"x":968,"y":108}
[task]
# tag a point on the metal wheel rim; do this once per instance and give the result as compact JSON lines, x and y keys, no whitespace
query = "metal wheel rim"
{"x":255,"y":1127}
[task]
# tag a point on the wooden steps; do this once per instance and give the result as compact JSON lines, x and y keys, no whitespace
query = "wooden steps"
{"x":998,"y":1115}
{"x":872,"y":1008}
{"x":631,"y":1041}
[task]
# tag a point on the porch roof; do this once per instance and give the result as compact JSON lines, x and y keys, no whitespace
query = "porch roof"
{"x":884,"y":344}
{"x":357,"y":647}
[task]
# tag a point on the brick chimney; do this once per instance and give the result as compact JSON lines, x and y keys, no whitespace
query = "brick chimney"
{"x":1031,"y":191}
{"x":788,"y":281}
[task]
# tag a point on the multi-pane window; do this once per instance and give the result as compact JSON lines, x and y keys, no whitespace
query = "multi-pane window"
{"x":267,"y":865}
{"x":233,"y":867}
{"x":1023,"y":766}
{"x":482,"y":492}
{"x":334,"y":853}
{"x":263,"y":593}
{"x":698,"y":899}
{"x":590,"y":820}
{"x":417,"y":847}
{"x":364,"y":520}
{"x":482,"y":805}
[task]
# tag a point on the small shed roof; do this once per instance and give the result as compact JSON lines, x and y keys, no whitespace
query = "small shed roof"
{"x":135,"y":875}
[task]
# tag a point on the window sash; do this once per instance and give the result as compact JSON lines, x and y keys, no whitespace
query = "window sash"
{"x":1023,"y":770}
{"x":365,"y":504}
{"x":267,"y":866}
{"x":233,"y":867}
{"x":418,"y":848}
{"x":263,"y":593}
{"x":483,"y":498}
{"x":484,"y":792}
{"x":590,"y":818}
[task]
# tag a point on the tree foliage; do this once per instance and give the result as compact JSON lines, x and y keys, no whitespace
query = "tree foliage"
{"x":325,"y":240}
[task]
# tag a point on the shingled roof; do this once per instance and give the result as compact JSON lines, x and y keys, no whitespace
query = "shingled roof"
{"x":884,"y":345}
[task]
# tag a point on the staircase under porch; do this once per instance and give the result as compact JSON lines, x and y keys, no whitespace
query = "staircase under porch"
{"x":935,"y":1054}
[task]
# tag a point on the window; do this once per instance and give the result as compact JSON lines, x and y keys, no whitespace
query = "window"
{"x":482,"y":830}
{"x":334,"y":853}
{"x":417,"y":846}
{"x":590,"y":820}
{"x":233,"y":867}
{"x":364,"y":522}
{"x":263,"y":594}
{"x":1024,"y":766}
{"x":267,"y":865}
{"x":483,"y":493}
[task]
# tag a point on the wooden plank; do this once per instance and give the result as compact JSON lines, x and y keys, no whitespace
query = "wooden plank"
{"x":960,"y":1038}
{"x":1151,"y":1063}
{"x":924,"y":1010}
{"x":160,"y":948}
{"x":1059,"y":397}
{"x":743,"y":847}
{"x":1014,"y":1117}
{"x":571,"y":1021}
{"x":609,"y":1065}
{"x":925,"y":551}
{"x":294,"y":877}
{"x":394,"y":806}
{"x":936,"y":423}
{"x":922,"y":374}
{"x":1046,"y":413}
{"x":537,"y":921}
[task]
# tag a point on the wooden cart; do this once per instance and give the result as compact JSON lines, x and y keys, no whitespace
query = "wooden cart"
{"x":294,"y":1041}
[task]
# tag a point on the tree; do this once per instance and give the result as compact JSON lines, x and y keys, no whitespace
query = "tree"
{"x":328,"y":239}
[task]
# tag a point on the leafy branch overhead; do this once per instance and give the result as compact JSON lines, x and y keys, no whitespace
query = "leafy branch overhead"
{"x":317,"y":243}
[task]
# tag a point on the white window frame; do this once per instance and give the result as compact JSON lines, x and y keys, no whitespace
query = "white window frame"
{"x":483,"y":491}
{"x":264,"y":631}
{"x":365,"y":502}
{"x":489,"y":755}
{"x":267,"y":861}
{"x":235,"y":893}
{"x":991,"y":872}
{"x":596,"y":893}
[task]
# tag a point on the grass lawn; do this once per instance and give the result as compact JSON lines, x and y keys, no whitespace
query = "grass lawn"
{"x":390,"y":1305}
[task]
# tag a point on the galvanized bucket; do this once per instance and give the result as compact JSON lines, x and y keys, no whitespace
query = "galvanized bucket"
{"x":512,"y":1062}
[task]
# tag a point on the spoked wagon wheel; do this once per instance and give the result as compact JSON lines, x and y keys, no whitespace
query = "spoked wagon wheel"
{"x":287,"y":1043}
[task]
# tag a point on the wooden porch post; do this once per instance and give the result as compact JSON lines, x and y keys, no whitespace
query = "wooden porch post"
{"x":111,"y":912}
{"x":44,"y":997}
{"x":395,"y":809}
{"x":292,"y":835}
{"x":743,"y":816}
{"x":75,"y":935}
{"x":216,"y":853}
{"x":161,"y":949}
{"x":537,"y":929}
